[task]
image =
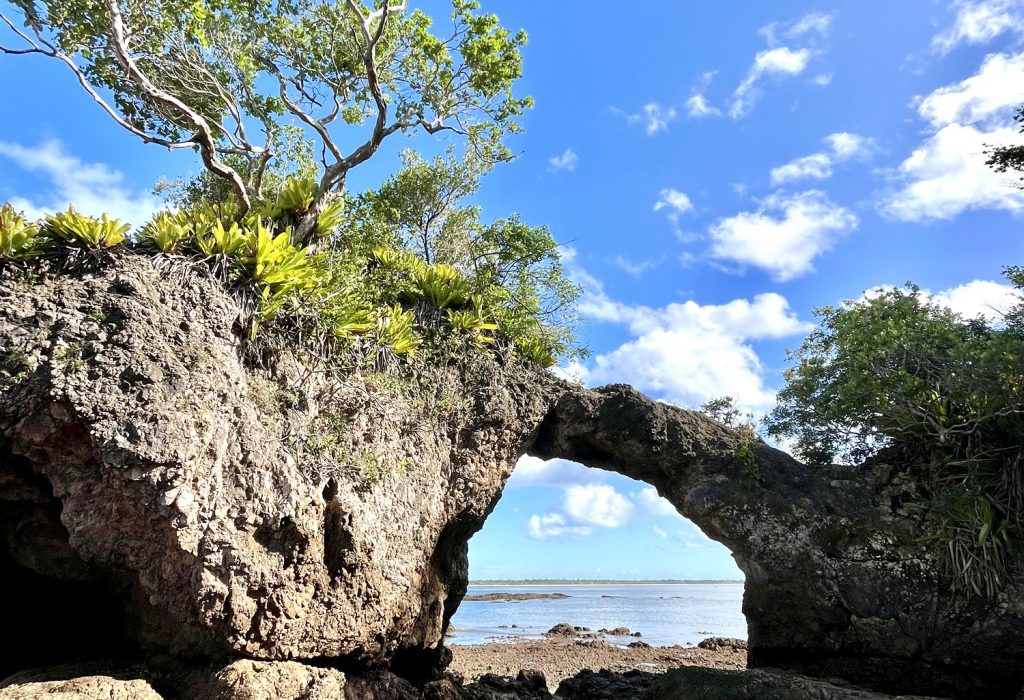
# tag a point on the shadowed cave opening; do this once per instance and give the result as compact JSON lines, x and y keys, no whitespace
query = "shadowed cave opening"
{"x":560,"y":524}
{"x":55,"y":609}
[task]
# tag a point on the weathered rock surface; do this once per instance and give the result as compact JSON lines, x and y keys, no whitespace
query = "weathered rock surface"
{"x":696,"y":683}
{"x":159,"y":494}
{"x":282,"y":680}
{"x":84,"y":688}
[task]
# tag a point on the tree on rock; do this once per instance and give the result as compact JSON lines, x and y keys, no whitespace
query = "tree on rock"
{"x":240,"y":80}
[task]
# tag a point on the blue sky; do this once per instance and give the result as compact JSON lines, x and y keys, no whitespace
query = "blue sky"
{"x":716,"y":171}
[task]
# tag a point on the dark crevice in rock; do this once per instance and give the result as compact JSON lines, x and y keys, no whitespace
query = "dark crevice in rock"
{"x":338,"y":540}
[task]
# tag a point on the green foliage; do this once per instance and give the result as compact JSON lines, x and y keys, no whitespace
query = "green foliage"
{"x":217,"y":74}
{"x":166,"y":232}
{"x":898,"y":370}
{"x":19,"y":240}
{"x":441,"y":285}
{"x":536,"y":351}
{"x":86,"y":231}
{"x":473,"y":324}
{"x":395,"y":331}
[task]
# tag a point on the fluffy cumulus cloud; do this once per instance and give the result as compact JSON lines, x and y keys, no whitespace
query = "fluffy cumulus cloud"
{"x":566,"y":161}
{"x":784,"y":235}
{"x":842,"y":147}
{"x":648,"y":500}
{"x":980,"y":298}
{"x":946,"y":175}
{"x":583,"y":508}
{"x":686,"y":353}
{"x":657,"y":118}
{"x":93,"y":188}
{"x":979,"y":22}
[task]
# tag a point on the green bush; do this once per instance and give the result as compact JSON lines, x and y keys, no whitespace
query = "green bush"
{"x":946,"y":393}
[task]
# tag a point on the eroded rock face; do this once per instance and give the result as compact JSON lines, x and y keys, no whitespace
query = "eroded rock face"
{"x":214,"y":499}
{"x":229,"y":513}
{"x":838,"y":583}
{"x":84,"y":688}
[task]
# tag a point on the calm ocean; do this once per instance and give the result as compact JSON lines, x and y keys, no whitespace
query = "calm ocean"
{"x":664,"y":614}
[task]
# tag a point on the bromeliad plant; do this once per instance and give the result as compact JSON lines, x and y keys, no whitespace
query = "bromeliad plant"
{"x":88,"y":232}
{"x":166,"y":232}
{"x":19,"y":239}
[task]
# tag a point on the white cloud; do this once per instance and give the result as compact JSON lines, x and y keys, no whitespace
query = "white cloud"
{"x":843,"y":146}
{"x":675,"y":200}
{"x":980,"y":21}
{"x":554,"y":526}
{"x":811,"y":23}
{"x":659,"y":532}
{"x":986,"y":99}
{"x":984,"y":298}
{"x":531,"y":471}
{"x":93,"y":188}
{"x":657,"y":117}
{"x":781,"y":61}
{"x":599,"y":505}
{"x":637,"y":269}
{"x":947,"y":175}
{"x":817,"y":166}
{"x":697,"y":106}
{"x":784,"y":235}
{"x":846,"y":146}
{"x":567,"y":161}
{"x":653,"y":504}
{"x":583,"y":508}
{"x":823,"y":79}
{"x":686,"y":353}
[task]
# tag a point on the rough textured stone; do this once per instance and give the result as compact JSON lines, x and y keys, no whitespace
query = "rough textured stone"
{"x":696,"y":683}
{"x":152,"y":479}
{"x":85,"y":688}
{"x":281,"y":680}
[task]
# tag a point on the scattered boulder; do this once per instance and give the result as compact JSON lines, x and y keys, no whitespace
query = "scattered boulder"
{"x":527,"y":685}
{"x":564,"y":629}
{"x":721,"y":643}
{"x":638,"y":645}
{"x":616,"y":632}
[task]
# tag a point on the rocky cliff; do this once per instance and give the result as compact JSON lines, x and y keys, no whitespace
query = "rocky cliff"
{"x":163,"y":496}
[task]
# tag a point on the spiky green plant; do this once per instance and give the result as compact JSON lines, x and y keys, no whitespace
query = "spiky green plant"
{"x":19,"y":239}
{"x":331,"y":217}
{"x":223,"y":240}
{"x":473,"y":324}
{"x":273,"y":261}
{"x":349,"y":315}
{"x":394,"y":259}
{"x":395,"y":331}
{"x":87,"y":231}
{"x":295,"y":196}
{"x":535,"y":350}
{"x":442,"y":285}
{"x":166,"y":232}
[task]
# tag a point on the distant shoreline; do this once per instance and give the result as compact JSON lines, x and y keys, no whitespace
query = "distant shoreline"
{"x":598,"y":582}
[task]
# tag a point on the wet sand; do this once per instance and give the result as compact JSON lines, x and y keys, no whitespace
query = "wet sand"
{"x":560,"y":658}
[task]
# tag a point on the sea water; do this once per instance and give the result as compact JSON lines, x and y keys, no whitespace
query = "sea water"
{"x":664,"y":614}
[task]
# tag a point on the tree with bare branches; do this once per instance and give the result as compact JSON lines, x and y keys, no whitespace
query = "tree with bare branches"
{"x":236,"y":80}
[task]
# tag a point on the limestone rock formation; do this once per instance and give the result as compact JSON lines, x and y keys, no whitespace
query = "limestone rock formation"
{"x":163,"y":491}
{"x":82,"y":688}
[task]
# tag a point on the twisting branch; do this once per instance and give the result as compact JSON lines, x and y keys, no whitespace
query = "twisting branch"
{"x":43,"y":47}
{"x":203,"y":134}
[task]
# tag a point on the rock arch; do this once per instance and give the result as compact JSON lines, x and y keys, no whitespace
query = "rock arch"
{"x":158,"y":462}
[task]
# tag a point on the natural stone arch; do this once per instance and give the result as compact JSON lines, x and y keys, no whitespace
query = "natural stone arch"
{"x":150,"y":455}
